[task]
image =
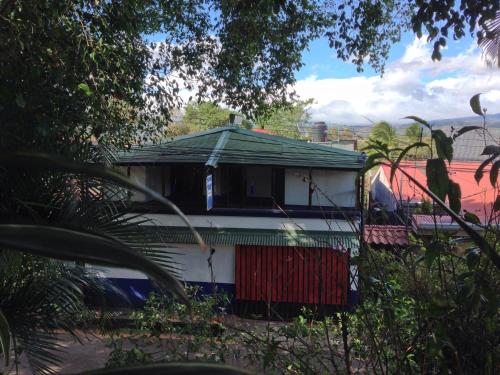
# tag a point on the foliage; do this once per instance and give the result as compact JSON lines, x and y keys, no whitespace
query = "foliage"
{"x":74,"y":213}
{"x":89,"y":68}
{"x":429,"y":310}
{"x":414,"y":132}
{"x":38,"y":296}
{"x":176,"y":130}
{"x":444,"y":19}
{"x":206,"y":116}
{"x":96,"y":68}
{"x":489,"y":41}
{"x":384,"y":133}
{"x":197,"y":333}
{"x":308,"y":344}
{"x":164,"y":332}
{"x":452,"y":284}
{"x":285,"y":121}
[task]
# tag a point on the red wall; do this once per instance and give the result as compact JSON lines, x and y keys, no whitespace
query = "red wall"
{"x":291,"y":274}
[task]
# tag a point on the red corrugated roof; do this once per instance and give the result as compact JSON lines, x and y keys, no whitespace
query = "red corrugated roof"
{"x":476,"y":198}
{"x":386,"y":235}
{"x":420,"y":219}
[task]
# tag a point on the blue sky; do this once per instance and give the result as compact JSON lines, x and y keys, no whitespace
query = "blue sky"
{"x":321,"y":61}
{"x":412,"y":84}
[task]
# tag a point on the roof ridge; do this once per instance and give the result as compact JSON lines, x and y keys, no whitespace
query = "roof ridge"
{"x":297,"y":142}
{"x":198,"y":134}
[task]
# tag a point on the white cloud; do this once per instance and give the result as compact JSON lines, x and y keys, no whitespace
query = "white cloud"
{"x":412,"y":85}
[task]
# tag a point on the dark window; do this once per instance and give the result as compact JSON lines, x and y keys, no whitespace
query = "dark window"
{"x":187,"y":185}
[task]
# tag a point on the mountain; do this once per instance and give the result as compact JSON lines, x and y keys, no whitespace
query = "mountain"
{"x":492,"y":121}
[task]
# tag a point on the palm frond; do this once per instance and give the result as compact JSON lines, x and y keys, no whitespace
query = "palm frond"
{"x":39,"y":296}
{"x":72,"y":245}
{"x":489,"y":41}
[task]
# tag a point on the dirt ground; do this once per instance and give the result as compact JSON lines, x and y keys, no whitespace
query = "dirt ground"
{"x":92,"y":353}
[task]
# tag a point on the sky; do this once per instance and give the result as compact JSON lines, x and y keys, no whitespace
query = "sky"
{"x":412,"y":84}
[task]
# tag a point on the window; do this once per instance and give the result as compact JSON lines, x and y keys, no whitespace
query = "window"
{"x":187,"y":184}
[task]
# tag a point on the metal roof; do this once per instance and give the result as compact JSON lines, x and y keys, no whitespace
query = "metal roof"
{"x":477,"y":198}
{"x":470,"y":146}
{"x":232,"y":145}
{"x":232,"y":236}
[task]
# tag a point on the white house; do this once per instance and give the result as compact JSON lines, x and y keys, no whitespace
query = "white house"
{"x":281,"y":216}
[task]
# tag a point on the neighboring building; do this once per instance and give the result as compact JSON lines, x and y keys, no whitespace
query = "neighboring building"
{"x":404,"y":197}
{"x":281,"y":217}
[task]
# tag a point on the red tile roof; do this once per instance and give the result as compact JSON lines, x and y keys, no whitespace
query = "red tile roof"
{"x":386,"y":235}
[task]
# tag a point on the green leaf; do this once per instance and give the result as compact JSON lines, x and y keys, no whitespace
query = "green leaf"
{"x":4,"y":337}
{"x":494,"y":173}
{"x":432,"y":252}
{"x":466,"y":129}
{"x":475,"y":104}
{"x":444,"y":144}
{"x":85,"y":89}
{"x":437,"y":177}
{"x":40,"y":161}
{"x":455,"y":196}
{"x":496,"y":205}
{"x":403,"y":153}
{"x":373,"y":160}
{"x":172,"y":369}
{"x":20,"y":101}
{"x":471,"y":218}
{"x":472,"y":257}
{"x":478,"y":175}
{"x":419,"y":120}
{"x":67,"y":244}
{"x":491,"y":149}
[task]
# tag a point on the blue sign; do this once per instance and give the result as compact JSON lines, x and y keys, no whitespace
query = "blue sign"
{"x":210,"y":196}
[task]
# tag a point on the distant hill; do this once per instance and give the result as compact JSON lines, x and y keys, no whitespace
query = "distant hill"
{"x":492,"y":121}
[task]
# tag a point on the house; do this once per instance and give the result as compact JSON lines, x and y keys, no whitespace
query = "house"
{"x":404,"y":197}
{"x":281,"y":217}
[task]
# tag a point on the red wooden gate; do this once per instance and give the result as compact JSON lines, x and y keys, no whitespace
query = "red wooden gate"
{"x":291,"y":274}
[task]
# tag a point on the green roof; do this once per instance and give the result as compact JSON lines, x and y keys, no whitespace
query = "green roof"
{"x":264,"y":237}
{"x":232,"y":145}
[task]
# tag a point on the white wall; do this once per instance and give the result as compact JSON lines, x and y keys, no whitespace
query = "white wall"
{"x":193,"y":264}
{"x":338,"y":187}
{"x":153,"y":178}
{"x":246,"y":222}
{"x":334,"y":188}
{"x":138,"y":174}
{"x":296,"y":189}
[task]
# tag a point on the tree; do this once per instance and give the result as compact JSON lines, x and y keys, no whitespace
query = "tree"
{"x":384,"y":133}
{"x":89,"y":68}
{"x":207,"y":115}
{"x":414,"y":132}
{"x":285,"y":121}
{"x":203,"y":116}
